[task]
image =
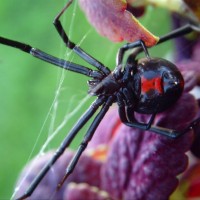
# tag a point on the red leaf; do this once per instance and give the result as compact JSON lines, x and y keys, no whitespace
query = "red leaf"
{"x":112,"y":20}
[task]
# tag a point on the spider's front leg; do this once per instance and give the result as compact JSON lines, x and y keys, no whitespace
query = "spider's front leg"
{"x":37,"y":53}
{"x":73,"y":46}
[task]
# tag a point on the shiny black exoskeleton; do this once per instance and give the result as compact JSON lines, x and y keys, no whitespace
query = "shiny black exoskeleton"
{"x":148,"y":86}
{"x":160,"y":85}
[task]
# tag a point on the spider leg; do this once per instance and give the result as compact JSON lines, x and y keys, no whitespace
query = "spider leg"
{"x":88,"y":136}
{"x":51,"y":59}
{"x":174,"y":133}
{"x":75,"y":47}
{"x":126,"y":111}
{"x":127,"y":117}
{"x":128,"y":46}
{"x":131,"y":119}
{"x":186,"y":29}
{"x":66,"y":142}
{"x":183,"y":30}
{"x":126,"y":114}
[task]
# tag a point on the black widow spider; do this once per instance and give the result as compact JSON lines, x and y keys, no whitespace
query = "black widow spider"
{"x":148,"y":86}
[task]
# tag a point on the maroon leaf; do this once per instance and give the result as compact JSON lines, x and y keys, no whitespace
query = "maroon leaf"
{"x":144,"y":165}
{"x":112,"y":20}
{"x":88,"y":170}
{"x":84,"y":191}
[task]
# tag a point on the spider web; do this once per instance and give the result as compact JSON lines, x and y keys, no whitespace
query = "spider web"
{"x":54,"y":129}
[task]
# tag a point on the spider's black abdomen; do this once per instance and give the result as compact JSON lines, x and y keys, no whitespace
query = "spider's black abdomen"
{"x":161,"y":85}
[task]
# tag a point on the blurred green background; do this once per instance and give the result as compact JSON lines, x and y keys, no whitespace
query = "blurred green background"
{"x":30,"y":105}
